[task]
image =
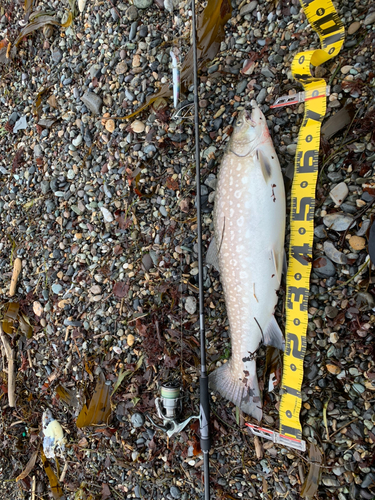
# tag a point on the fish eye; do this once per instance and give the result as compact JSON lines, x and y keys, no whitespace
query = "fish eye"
{"x":239,"y":123}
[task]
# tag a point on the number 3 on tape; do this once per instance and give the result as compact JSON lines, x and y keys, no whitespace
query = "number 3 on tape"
{"x":324,"y":20}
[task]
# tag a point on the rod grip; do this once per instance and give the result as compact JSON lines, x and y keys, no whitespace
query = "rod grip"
{"x":205,"y":440}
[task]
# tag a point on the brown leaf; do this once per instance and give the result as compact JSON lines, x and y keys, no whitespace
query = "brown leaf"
{"x":310,"y":486}
{"x":172,"y":183}
{"x":106,"y":492}
{"x":29,"y":467}
{"x":117,"y":250}
{"x":99,"y":409}
{"x":120,"y":290}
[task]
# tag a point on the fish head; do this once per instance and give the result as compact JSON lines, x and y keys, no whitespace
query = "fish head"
{"x":250,"y":130}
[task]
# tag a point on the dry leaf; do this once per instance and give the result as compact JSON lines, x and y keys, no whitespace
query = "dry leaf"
{"x":310,"y":486}
{"x":29,"y":467}
{"x":120,"y":289}
{"x":36,"y":23}
{"x":99,"y":409}
{"x":68,"y":396}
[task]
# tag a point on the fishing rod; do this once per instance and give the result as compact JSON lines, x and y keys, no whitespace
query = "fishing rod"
{"x":204,"y":414}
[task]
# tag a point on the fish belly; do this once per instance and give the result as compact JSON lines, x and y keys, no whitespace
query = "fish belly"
{"x":249,"y":219}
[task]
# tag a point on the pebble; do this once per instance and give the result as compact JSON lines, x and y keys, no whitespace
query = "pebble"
{"x":121,"y":68}
{"x":137,"y":419}
{"x":56,"y":288}
{"x":108,"y":217}
{"x":130,"y":340}
{"x":357,"y":242}
{"x":248,"y":8}
{"x":143,"y":4}
{"x":338,"y":221}
{"x":339,"y":193}
{"x":333,"y":254}
{"x":324,"y":267}
{"x":138,"y":127}
{"x":92,"y":101}
{"x":37,"y":308}
{"x":191,"y":304}
{"x":354,"y":27}
{"x":369,"y":19}
{"x":132,"y":13}
{"x":77,"y":141}
{"x":175,"y":492}
{"x":261,"y":96}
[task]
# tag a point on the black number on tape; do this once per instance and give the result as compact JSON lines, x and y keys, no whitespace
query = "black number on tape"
{"x":292,"y":391}
{"x":301,"y":253}
{"x":307,"y":162}
{"x":303,"y":204}
{"x":298,"y":293}
{"x":297,"y":352}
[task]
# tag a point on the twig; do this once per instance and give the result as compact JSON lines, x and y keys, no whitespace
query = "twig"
{"x":9,"y":352}
{"x":33,"y":489}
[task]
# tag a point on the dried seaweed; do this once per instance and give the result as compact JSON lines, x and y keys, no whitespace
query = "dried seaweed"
{"x":57,"y":492}
{"x":338,"y":121}
{"x":371,"y":243}
{"x":310,"y":486}
{"x":29,"y":466}
{"x":99,"y":409}
{"x":210,"y":34}
{"x":10,"y":317}
{"x":36,"y":23}
{"x":28,"y":6}
{"x":68,"y":396}
{"x":24,"y":324}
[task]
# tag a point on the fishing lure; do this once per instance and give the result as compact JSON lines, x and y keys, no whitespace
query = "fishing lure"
{"x":175,"y":79}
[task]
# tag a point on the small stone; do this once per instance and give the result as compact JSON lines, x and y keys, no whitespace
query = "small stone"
{"x":335,"y":370}
{"x":121,"y":68}
{"x":248,"y":8}
{"x":77,"y":141}
{"x":130,"y":339}
{"x":37,"y":308}
{"x":137,"y":420}
{"x":339,"y":193}
{"x":241,"y":86}
{"x":147,"y":262}
{"x":357,"y":242}
{"x":369,"y":19}
{"x":136,"y":61}
{"x":56,"y":56}
{"x":56,"y":288}
{"x":132,"y":13}
{"x":175,"y":492}
{"x":324,"y":267}
{"x":92,"y":101}
{"x":291,"y":149}
{"x":45,"y":186}
{"x":331,"y":312}
{"x":338,"y":221}
{"x":138,"y":127}
{"x":95,"y":289}
{"x":345,"y":69}
{"x":354,"y":27}
{"x":191,"y":304}
{"x":334,"y":254}
{"x":110,"y":125}
{"x":143,"y":4}
{"x":261,"y":96}
{"x":108,"y":217}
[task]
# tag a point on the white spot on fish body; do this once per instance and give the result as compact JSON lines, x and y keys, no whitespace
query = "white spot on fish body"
{"x":240,"y":221}
{"x":231,"y":212}
{"x":237,"y":194}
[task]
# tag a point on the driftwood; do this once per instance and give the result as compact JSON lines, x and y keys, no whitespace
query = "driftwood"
{"x":16,"y":271}
{"x":9,"y":352}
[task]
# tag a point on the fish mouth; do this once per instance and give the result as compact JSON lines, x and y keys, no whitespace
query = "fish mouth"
{"x":248,"y":116}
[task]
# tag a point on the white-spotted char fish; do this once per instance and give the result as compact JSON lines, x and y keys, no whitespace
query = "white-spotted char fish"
{"x":249,"y":220}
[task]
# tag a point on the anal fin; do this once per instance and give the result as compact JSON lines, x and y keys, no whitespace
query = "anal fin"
{"x":272,"y":335}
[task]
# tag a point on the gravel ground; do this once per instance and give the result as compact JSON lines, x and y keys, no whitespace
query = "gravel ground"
{"x":102,"y":216}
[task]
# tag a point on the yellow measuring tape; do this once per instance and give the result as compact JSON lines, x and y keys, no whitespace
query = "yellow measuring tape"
{"x":325,"y":21}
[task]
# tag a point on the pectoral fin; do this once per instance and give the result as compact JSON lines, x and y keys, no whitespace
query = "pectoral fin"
{"x":264,"y":164}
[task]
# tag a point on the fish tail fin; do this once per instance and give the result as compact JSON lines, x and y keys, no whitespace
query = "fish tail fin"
{"x":244,"y":393}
